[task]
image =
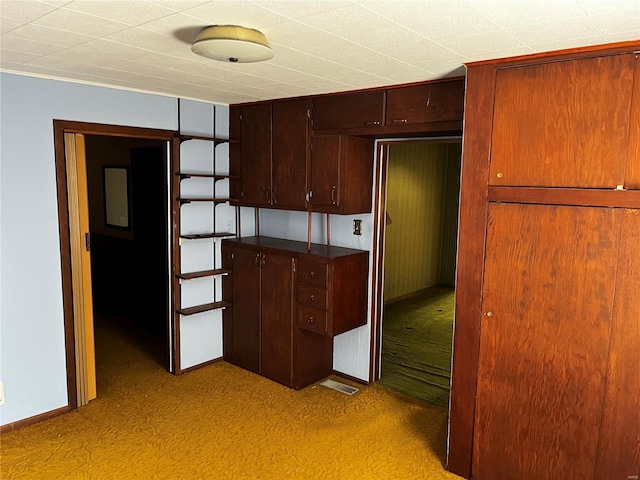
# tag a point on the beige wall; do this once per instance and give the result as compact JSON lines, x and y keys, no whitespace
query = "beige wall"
{"x":421,"y":183}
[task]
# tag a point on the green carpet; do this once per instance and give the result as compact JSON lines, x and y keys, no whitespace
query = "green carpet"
{"x":416,"y":345}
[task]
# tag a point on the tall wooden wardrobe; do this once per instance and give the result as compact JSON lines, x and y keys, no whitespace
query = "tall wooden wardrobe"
{"x":546,"y":371}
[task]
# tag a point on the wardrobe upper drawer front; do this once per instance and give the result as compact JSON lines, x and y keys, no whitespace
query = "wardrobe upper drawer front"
{"x":312,"y":296}
{"x":313,"y":272}
{"x":563,"y":124}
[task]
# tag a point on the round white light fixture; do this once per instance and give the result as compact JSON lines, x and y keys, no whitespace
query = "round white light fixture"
{"x":231,"y":43}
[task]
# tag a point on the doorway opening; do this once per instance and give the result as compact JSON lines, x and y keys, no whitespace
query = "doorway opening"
{"x":419,"y":210}
{"x":129,"y":264}
{"x":116,"y":174}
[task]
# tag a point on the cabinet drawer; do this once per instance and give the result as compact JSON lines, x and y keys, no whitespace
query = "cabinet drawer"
{"x":433,"y":102}
{"x":348,"y":110}
{"x":312,"y":319}
{"x":312,"y":272}
{"x":314,"y":297}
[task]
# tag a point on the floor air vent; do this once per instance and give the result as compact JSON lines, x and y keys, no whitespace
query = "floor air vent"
{"x":341,"y":387}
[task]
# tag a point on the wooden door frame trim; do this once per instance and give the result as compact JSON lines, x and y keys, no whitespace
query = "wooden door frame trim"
{"x":472,"y":225}
{"x":458,"y":457}
{"x":60,"y":127}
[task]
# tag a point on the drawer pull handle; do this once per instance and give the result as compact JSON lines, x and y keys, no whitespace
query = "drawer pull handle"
{"x":312,"y":297}
{"x":310,"y":320}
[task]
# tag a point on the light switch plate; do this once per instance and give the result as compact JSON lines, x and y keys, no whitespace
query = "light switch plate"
{"x":357,"y":227}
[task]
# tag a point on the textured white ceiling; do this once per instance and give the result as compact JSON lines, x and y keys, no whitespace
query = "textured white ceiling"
{"x":320,"y":45}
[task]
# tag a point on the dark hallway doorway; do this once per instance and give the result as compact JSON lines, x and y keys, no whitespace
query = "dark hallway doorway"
{"x":130,"y":265}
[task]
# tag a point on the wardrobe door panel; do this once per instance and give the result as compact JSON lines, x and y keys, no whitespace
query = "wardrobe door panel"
{"x":619,"y":455}
{"x":562,"y":124}
{"x":547,"y":303}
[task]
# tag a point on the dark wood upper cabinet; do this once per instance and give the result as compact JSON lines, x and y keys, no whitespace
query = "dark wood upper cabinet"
{"x":277,"y":162}
{"x":255,"y":154}
{"x":430,"y":107}
{"x":341,"y":174}
{"x":349,"y":110}
{"x":290,"y":153}
{"x":271,"y":156}
{"x":563,"y":124}
{"x":431,"y":102}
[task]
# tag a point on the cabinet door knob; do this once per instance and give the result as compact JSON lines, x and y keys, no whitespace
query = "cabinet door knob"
{"x":312,"y":297}
{"x":310,"y":320}
{"x":312,"y":274}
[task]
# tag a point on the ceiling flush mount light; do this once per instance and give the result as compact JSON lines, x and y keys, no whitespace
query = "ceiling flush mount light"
{"x":231,"y":43}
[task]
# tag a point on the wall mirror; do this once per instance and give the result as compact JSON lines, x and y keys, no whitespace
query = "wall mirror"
{"x":116,"y":196}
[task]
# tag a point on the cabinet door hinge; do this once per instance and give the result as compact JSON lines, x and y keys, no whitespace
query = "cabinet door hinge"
{"x":87,"y":241}
{"x":293,"y":265}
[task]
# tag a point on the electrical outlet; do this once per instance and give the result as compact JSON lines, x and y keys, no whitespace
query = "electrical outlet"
{"x":1,"y":393}
{"x":357,"y":227}
{"x":230,"y":226}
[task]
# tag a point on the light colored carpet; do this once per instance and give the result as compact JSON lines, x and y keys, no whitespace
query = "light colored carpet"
{"x":416,"y":345}
{"x":222,"y":422}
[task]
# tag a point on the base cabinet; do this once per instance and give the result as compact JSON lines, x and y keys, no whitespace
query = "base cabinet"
{"x":289,"y":304}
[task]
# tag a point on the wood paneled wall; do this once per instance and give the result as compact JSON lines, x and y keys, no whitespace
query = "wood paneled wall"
{"x":417,"y":194}
{"x":447,"y":274}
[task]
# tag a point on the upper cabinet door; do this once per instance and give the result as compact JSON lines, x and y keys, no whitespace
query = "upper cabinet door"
{"x":255,"y":152}
{"x":349,"y":110}
{"x":341,"y":174}
{"x":290,"y":154}
{"x":562,"y":124}
{"x":326,"y":159}
{"x":432,"y":102}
